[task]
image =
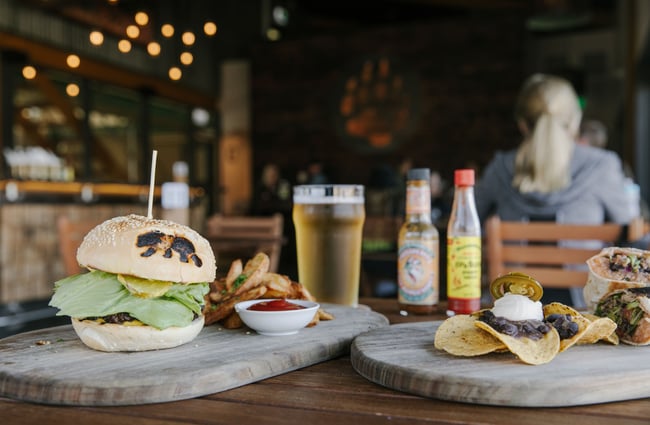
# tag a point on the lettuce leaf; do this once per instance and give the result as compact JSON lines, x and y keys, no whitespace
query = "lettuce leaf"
{"x":98,"y":294}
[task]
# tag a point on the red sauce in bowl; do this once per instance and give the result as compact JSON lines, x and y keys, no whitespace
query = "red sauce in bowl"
{"x":275,"y":305}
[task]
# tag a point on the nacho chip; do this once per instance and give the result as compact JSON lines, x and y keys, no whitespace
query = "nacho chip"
{"x":599,"y":329}
{"x":580,"y":321}
{"x":458,"y":336}
{"x":528,"y":350}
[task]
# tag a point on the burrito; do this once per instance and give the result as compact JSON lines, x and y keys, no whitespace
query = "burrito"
{"x":614,"y":269}
{"x":630,"y":309}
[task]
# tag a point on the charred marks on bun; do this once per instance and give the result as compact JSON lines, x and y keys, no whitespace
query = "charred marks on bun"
{"x":157,"y":241}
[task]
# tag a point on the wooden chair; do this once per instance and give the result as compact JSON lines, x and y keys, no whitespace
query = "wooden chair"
{"x":547,"y":251}
{"x":71,"y":233}
{"x":242,"y":237}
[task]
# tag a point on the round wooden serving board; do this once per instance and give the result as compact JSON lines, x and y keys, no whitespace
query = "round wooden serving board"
{"x":403,"y":357}
{"x":64,"y":371}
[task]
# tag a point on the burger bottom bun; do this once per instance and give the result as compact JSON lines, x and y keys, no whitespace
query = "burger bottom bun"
{"x":114,"y":337}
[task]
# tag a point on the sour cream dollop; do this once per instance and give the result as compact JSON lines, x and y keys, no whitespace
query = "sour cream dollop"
{"x":518,"y":307}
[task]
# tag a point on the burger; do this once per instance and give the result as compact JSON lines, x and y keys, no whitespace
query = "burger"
{"x":145,"y":288}
{"x":618,"y":287}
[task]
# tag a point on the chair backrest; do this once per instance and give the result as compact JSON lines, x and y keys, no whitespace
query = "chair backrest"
{"x":71,"y":233}
{"x":232,"y":237}
{"x":552,"y":253}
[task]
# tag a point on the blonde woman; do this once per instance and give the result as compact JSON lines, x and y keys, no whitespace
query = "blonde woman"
{"x":550,"y":176}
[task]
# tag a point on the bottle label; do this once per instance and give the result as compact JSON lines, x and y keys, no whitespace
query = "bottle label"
{"x":417,"y":273}
{"x":418,"y":199}
{"x":464,"y":267}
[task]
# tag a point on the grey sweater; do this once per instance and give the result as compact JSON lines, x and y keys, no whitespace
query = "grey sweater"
{"x":596,"y":193}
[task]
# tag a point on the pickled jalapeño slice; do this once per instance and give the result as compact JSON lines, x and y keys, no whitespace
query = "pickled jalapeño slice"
{"x":516,"y":283}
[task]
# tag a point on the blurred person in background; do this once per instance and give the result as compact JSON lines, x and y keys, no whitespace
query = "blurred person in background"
{"x":273,"y":193}
{"x":593,"y":133}
{"x":551,"y":177}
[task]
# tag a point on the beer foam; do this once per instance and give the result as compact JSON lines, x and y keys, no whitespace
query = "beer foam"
{"x":328,"y":194}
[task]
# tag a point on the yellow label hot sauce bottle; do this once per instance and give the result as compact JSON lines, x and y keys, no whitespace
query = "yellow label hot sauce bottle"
{"x":463,"y":248}
{"x":418,"y":249}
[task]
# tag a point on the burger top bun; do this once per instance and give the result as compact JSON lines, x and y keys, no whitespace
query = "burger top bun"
{"x":148,"y":248}
{"x":602,"y":281}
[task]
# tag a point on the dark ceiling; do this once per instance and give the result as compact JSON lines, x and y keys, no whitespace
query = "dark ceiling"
{"x":312,"y":17}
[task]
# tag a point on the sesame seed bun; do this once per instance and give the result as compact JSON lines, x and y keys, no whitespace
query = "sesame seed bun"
{"x":148,"y":248}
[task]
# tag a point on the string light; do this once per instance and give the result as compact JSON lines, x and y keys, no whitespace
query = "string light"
{"x":188,"y":38}
{"x":273,"y":34}
{"x":187,"y":58}
{"x":132,"y":31}
{"x":141,"y":18}
{"x":210,"y":28}
{"x":73,"y":61}
{"x":167,"y":30}
{"x":153,"y":48}
{"x":175,"y":73}
{"x":72,"y":90}
{"x":29,"y":72}
{"x":96,"y":38}
{"x":124,"y":46}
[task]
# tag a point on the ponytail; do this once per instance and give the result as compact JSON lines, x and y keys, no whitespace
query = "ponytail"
{"x":543,"y":159}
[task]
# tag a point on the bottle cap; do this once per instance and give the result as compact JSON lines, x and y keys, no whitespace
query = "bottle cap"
{"x":418,"y":174}
{"x":464,"y":177}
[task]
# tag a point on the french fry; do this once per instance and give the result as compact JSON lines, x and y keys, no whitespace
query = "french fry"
{"x":235,"y":270}
{"x":233,"y":321}
{"x":323,"y":315}
{"x":314,"y":321}
{"x":248,"y":282}
{"x":252,"y":274}
{"x":277,"y":285}
{"x":220,"y":311}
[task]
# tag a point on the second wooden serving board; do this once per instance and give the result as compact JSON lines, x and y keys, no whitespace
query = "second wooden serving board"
{"x":403,"y":357}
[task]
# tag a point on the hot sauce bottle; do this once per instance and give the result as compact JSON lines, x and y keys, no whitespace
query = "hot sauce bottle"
{"x":418,"y":249}
{"x":463,"y":248}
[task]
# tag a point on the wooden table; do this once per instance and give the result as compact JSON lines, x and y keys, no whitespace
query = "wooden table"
{"x":326,"y":393}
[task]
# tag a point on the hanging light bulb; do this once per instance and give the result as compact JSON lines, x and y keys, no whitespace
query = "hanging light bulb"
{"x":124,"y":46}
{"x":210,"y":28}
{"x":187,"y":58}
{"x":175,"y":73}
{"x":188,"y":38}
{"x":167,"y":30}
{"x":273,"y":34}
{"x":72,"y":90}
{"x":96,"y":38}
{"x":132,"y":31}
{"x":153,"y":48}
{"x":73,"y":61}
{"x":29,"y":72}
{"x":141,"y":18}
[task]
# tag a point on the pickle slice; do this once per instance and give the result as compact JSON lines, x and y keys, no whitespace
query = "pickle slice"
{"x":144,"y":288}
{"x":516,"y":283}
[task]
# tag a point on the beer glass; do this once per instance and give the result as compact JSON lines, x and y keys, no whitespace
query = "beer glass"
{"x":329,"y":224}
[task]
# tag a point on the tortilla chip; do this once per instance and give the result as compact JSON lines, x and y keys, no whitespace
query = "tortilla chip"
{"x":458,"y":336}
{"x":534,"y":352}
{"x":582,"y":322}
{"x":599,"y":329}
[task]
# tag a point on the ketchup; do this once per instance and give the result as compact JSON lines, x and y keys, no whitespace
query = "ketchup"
{"x":275,"y":305}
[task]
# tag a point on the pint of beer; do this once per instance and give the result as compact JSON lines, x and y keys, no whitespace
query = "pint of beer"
{"x":329,"y":224}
